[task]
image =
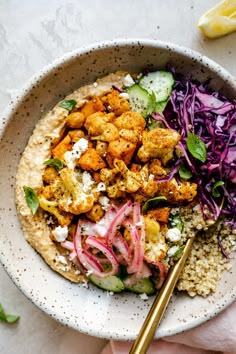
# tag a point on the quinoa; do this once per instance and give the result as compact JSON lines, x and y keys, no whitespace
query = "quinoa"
{"x":206,"y":263}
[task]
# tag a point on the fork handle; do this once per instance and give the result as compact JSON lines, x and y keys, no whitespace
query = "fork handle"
{"x":160,"y":303}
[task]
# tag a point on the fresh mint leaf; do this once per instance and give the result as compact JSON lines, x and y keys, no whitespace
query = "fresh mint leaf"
{"x":68,"y":104}
{"x":55,"y":163}
{"x":196,"y":147}
{"x":31,"y":198}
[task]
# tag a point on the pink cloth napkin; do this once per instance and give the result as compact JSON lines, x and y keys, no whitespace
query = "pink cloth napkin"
{"x":217,"y":336}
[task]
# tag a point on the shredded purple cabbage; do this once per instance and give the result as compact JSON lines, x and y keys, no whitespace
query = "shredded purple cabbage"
{"x":193,"y":108}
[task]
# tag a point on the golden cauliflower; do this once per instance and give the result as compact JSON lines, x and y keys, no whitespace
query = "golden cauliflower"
{"x":158,"y":143}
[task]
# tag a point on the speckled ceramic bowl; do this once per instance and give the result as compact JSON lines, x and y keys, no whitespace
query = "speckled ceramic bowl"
{"x":91,"y":310}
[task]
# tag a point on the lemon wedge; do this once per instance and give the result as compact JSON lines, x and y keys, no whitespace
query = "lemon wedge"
{"x":220,"y":20}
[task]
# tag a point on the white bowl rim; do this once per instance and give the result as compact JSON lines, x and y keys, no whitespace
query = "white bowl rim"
{"x":42,"y":74}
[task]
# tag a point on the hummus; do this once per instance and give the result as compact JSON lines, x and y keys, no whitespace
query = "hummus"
{"x":30,"y":172}
{"x":92,"y":212}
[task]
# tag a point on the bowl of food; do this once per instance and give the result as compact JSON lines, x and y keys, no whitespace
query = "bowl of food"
{"x":114,"y":155}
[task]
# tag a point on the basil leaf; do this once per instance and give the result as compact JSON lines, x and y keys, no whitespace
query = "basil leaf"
{"x":151,"y":203}
{"x":31,"y":198}
{"x":175,"y":221}
{"x":7,"y":317}
{"x":196,"y":147}
{"x":68,"y":104}
{"x":184,"y":172}
{"x":55,"y":163}
{"x":215,"y":188}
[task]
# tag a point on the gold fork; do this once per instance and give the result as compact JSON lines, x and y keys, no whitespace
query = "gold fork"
{"x":162,"y":299}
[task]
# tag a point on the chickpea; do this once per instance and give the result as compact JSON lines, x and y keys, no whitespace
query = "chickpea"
{"x":76,"y":135}
{"x":48,"y":192}
{"x":75,"y":120}
{"x":50,"y":174}
{"x":96,"y":213}
{"x":101,"y":148}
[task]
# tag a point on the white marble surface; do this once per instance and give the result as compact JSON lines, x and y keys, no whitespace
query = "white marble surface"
{"x":33,"y":33}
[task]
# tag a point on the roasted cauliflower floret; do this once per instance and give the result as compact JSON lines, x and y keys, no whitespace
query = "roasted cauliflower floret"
{"x":109,"y":133}
{"x":70,"y":195}
{"x":129,"y":181}
{"x":116,"y":103}
{"x":132,"y":135}
{"x":158,"y":143}
{"x":51,"y":206}
{"x":177,"y":192}
{"x":131,"y":121}
{"x":95,"y":123}
{"x":156,"y":169}
{"x":155,"y":246}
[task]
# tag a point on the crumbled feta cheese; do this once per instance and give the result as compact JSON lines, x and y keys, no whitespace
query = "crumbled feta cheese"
{"x":124,"y":95}
{"x":77,"y":272}
{"x":143,"y":296}
{"x":87,"y":182}
{"x":174,"y":234}
{"x":151,"y":177}
{"x":171,"y":251}
{"x":50,"y":220}
{"x":139,"y":223}
{"x":105,"y":202}
{"x":60,"y":233}
{"x":101,"y":187}
{"x":128,"y":80}
{"x":85,"y":284}
{"x":78,"y":149}
{"x":89,"y":272}
{"x":62,"y":259}
{"x":110,"y":293}
{"x":95,"y":84}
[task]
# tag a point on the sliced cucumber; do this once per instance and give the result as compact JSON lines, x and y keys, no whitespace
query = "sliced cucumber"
{"x":160,"y":82}
{"x":144,"y":285}
{"x":140,"y":100}
{"x":160,"y":106}
{"x":110,"y":283}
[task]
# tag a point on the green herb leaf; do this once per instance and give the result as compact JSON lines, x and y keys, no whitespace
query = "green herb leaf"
{"x":31,"y":198}
{"x":215,"y":188}
{"x":196,"y":147}
{"x":68,"y":104}
{"x":178,"y":251}
{"x":151,"y":203}
{"x":184,"y":172}
{"x":7,"y":317}
{"x":55,"y":163}
{"x":175,"y":221}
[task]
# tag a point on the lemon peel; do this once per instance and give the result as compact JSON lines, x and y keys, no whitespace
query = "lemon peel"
{"x":220,"y":20}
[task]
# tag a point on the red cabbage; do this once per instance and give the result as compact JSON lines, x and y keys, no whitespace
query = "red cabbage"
{"x":194,"y":108}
